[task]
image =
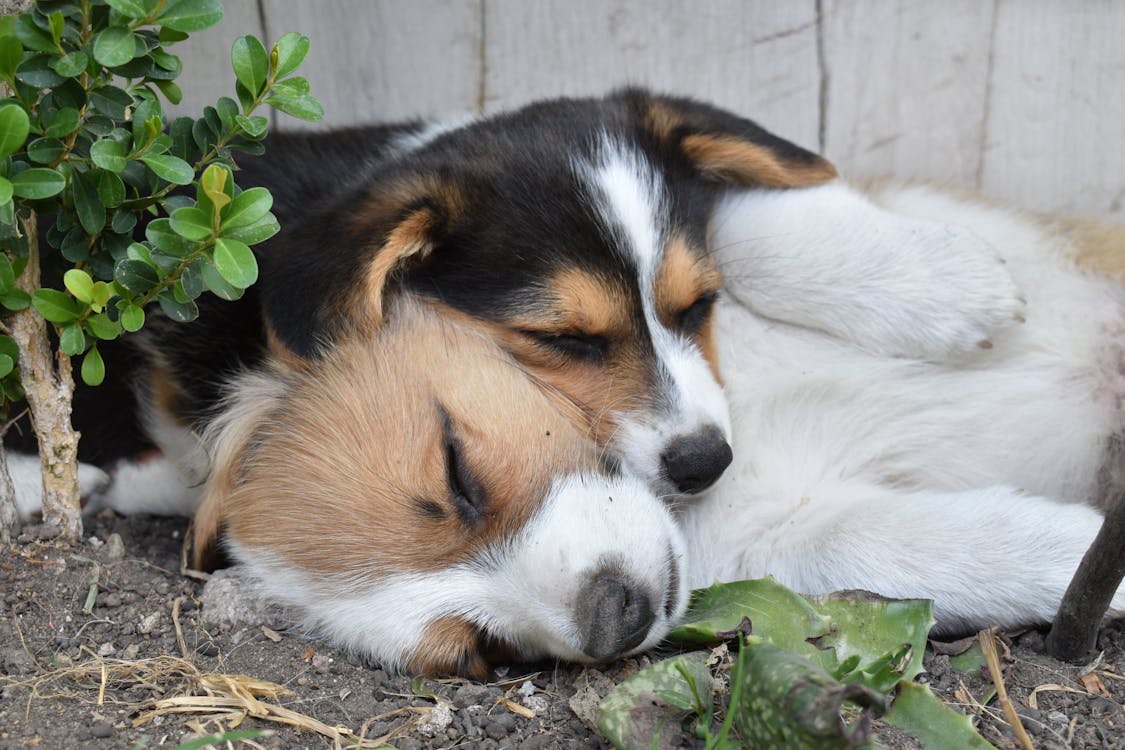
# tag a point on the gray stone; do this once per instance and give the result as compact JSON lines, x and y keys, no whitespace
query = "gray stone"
{"x":114,"y":548}
{"x":232,"y":598}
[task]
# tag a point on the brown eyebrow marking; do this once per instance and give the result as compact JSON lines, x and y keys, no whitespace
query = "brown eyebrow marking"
{"x":685,"y":275}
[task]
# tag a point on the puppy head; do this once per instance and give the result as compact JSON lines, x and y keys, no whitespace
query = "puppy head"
{"x":577,"y":228}
{"x":424,"y":503}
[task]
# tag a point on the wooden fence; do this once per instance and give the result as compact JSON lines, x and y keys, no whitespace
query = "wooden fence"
{"x":1023,"y":100}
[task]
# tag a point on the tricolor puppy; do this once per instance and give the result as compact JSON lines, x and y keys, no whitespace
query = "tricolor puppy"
{"x":467,"y":497}
{"x":575,"y":228}
{"x":424,"y":503}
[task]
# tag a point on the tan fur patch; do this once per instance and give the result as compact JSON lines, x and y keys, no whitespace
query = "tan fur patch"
{"x":449,"y":647}
{"x":1098,"y":247}
{"x":742,"y":162}
{"x":684,"y":276}
{"x":353,"y":458}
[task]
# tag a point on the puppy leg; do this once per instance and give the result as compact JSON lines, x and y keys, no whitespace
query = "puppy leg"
{"x":828,"y":258}
{"x":27,"y":480}
{"x":987,"y":557}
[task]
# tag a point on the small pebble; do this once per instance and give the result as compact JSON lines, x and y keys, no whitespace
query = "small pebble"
{"x":149,"y":623}
{"x":101,"y":730}
{"x":114,"y":548}
{"x":107,"y":649}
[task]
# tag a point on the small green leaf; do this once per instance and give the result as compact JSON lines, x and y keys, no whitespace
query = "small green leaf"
{"x":170,"y":168}
{"x":7,"y":276}
{"x":111,"y":101}
{"x":132,"y":318}
{"x":88,"y":204}
{"x":93,"y":368}
{"x":111,"y":190}
{"x":302,"y":107}
{"x":214,"y":184}
{"x":109,"y":154}
{"x":32,"y":36}
{"x":101,"y":293}
{"x":123,"y":221}
{"x":191,"y":223}
{"x":36,"y":71}
{"x":57,"y":23}
{"x":57,"y":307}
{"x":72,"y":340}
{"x":226,"y":109}
{"x":191,"y":280}
{"x":247,"y":207}
{"x":254,"y":127}
{"x":160,"y":233}
{"x":14,"y":127}
{"x":45,"y":150}
{"x":259,"y":231}
{"x":181,"y":312}
{"x":291,"y":50}
{"x":7,"y":364}
{"x":170,"y":90}
{"x":251,"y":63}
{"x":136,"y":276}
{"x":5,"y":191}
{"x":71,"y":64}
{"x":16,"y":300}
{"x":218,"y":285}
{"x":11,"y":53}
{"x":64,"y":122}
{"x":191,"y":15}
{"x":38,"y":183}
{"x":235,"y":262}
{"x":114,"y":46}
{"x":102,"y":327}
{"x":291,"y":87}
{"x":131,"y":8}
{"x":9,"y":347}
{"x":79,"y":283}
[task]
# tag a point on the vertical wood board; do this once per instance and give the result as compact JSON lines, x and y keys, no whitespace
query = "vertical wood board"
{"x":755,"y":58}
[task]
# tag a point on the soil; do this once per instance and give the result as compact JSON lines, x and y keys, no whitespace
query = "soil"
{"x":98,"y":641}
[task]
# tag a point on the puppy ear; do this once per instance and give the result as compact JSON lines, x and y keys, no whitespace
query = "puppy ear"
{"x":407,"y":220}
{"x":726,"y":148}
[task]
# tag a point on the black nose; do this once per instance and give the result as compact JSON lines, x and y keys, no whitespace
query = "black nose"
{"x":613,"y":615}
{"x":695,"y":461}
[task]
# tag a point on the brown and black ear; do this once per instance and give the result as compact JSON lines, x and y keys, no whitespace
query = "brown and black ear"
{"x":400,"y":225}
{"x":329,"y":274}
{"x":727,"y":148}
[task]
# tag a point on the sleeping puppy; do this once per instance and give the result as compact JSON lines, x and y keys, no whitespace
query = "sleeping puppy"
{"x":424,"y":503}
{"x":973,"y":481}
{"x":575,"y":228}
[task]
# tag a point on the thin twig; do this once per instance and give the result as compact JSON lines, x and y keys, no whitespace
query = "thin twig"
{"x":176,"y":603}
{"x":988,"y":646}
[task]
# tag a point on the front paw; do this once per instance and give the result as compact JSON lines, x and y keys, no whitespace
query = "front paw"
{"x":971,"y":297}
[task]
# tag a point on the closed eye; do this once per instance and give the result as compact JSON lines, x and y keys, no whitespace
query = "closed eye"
{"x":695,"y":316}
{"x":587,"y":347}
{"x":466,"y":493}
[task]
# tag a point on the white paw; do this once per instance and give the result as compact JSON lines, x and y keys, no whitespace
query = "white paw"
{"x":971,"y":297}
{"x":27,"y":481}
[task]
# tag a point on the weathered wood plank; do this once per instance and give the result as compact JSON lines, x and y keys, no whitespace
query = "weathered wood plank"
{"x":756,"y":58}
{"x":907,"y":82}
{"x":377,"y":60}
{"x":1056,"y":125}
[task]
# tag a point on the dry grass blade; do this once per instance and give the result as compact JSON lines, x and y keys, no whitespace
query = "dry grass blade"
{"x":240,"y":696}
{"x":988,"y":646}
{"x":1049,"y":687}
{"x":176,"y":604}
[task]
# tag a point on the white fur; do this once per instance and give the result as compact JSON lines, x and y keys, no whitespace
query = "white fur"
{"x":26,"y":472}
{"x":633,"y":203}
{"x":968,"y":482}
{"x":523,"y":589}
{"x":830,"y":259}
{"x":427,"y":132}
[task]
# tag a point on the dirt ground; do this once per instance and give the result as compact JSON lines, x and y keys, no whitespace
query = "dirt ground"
{"x":99,"y":643}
